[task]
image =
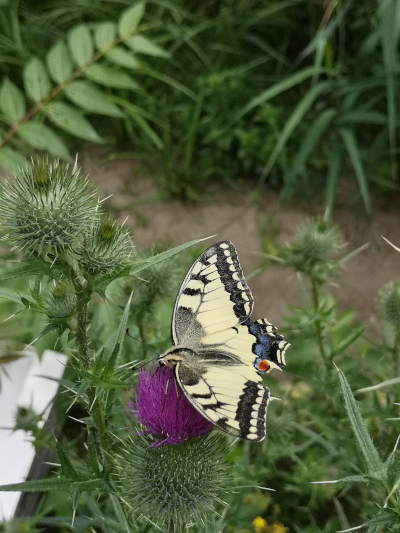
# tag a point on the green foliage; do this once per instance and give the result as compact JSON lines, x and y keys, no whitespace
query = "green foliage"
{"x":73,"y":254}
{"x":104,"y":53}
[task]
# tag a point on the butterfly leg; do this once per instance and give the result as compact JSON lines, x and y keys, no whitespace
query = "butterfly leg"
{"x":165,"y":394}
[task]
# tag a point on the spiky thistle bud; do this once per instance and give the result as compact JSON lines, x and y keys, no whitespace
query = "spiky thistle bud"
{"x":317,"y":241}
{"x":61,"y":303}
{"x":389,"y":303}
{"x":47,"y":207}
{"x":26,"y":419}
{"x":106,"y":247}
{"x":170,"y":472}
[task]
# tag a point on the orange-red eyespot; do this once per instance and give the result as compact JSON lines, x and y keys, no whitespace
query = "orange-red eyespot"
{"x":263,"y":365}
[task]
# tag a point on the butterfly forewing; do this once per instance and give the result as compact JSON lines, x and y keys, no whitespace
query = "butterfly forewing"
{"x":214,"y":296}
{"x":236,"y":404}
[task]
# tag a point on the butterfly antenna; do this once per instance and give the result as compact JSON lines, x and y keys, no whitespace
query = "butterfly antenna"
{"x":141,"y":342}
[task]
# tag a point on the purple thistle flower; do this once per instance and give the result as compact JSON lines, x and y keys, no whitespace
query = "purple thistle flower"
{"x":164,"y":410}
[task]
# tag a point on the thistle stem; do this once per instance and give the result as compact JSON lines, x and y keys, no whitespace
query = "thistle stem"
{"x":318,"y":325}
{"x":86,"y":363}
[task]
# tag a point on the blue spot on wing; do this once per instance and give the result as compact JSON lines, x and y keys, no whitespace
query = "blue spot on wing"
{"x":265,"y":344}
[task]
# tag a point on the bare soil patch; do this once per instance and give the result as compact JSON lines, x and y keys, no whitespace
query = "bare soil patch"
{"x":226,"y":214}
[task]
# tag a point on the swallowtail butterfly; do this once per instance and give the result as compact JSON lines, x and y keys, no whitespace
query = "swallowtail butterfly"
{"x":219,"y":355}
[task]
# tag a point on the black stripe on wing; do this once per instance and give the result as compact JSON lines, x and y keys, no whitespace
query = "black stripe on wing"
{"x":240,"y":413}
{"x":214,"y":280}
{"x":252,"y":410}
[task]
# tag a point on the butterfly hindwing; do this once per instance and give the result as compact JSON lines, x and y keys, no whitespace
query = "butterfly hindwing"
{"x":236,"y":405}
{"x":213,"y":296}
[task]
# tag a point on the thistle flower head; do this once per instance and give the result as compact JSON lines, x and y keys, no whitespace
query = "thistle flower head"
{"x":47,"y":207}
{"x":162,"y":408}
{"x":105,"y":247}
{"x":389,"y":304}
{"x":174,"y":486}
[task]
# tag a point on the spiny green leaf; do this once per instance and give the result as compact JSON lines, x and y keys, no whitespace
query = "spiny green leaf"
{"x":384,"y":517}
{"x":36,"y":81}
{"x":130,"y":19}
{"x":12,"y":101}
{"x":109,"y":369}
{"x":59,"y":483}
{"x":12,"y":296}
{"x":81,"y":44}
{"x":373,"y":462}
{"x":145,"y":263}
{"x":67,"y":470}
{"x":91,"y":457}
{"x":72,"y":121}
{"x":104,"y":383}
{"x":87,"y":96}
{"x":40,"y":136}
{"x":59,"y":62}
{"x":33,"y":268}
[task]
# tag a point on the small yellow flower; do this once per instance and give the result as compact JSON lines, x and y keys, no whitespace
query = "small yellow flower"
{"x":277,"y":527}
{"x":276,"y":509}
{"x":260,"y":525}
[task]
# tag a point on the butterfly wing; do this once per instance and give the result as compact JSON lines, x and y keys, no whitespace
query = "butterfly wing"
{"x":248,"y":343}
{"x":213,"y":296}
{"x":228,"y":396}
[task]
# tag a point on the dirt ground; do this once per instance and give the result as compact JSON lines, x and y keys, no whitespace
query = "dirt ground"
{"x":226,"y":215}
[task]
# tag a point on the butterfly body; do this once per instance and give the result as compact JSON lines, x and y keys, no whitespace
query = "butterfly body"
{"x":219,"y":354}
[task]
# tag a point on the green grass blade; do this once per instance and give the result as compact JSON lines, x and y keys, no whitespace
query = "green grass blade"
{"x":307,"y":146}
{"x":389,"y":33}
{"x":332,"y":178}
{"x":277,"y":88}
{"x":353,"y":151}
{"x":297,"y":115}
{"x":375,"y":466}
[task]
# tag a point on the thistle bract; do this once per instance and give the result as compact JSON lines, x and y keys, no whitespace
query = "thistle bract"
{"x":105,"y":247}
{"x":173,"y":486}
{"x":161,"y":407}
{"x":61,"y":303}
{"x":47,"y":207}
